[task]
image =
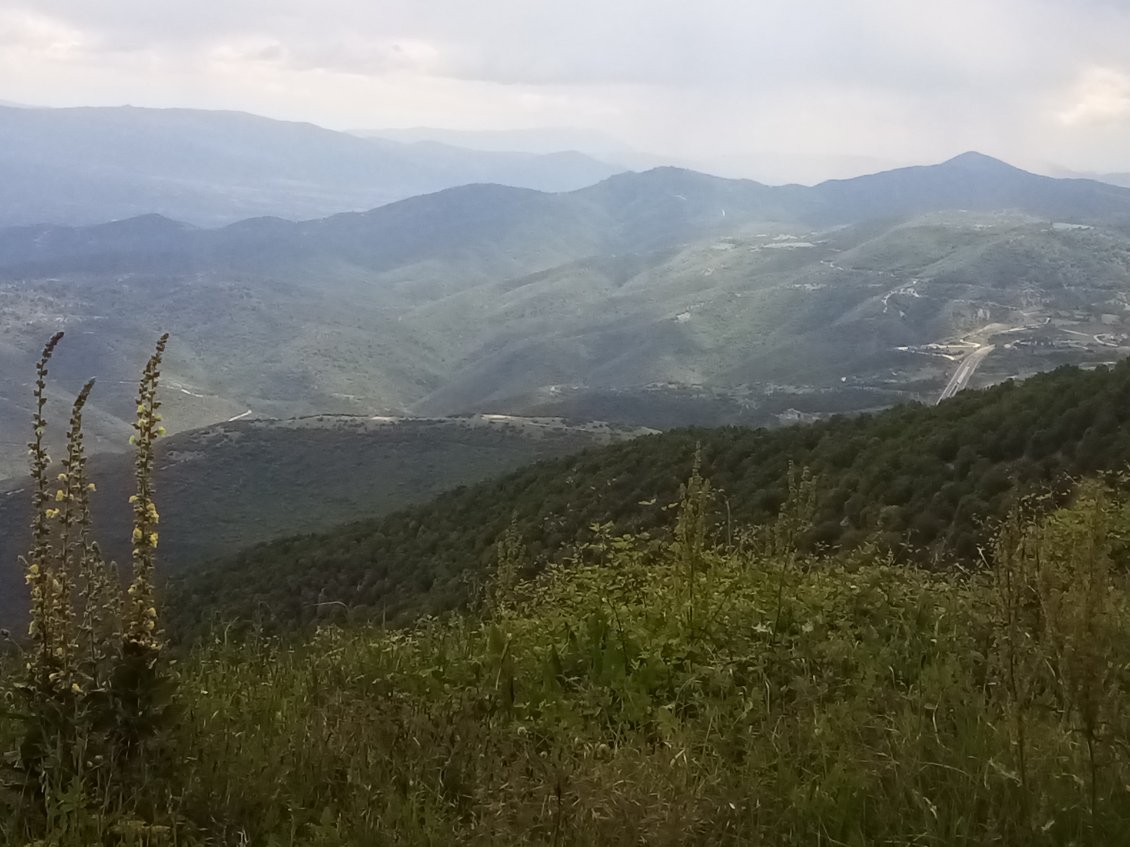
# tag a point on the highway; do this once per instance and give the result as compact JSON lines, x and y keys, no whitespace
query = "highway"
{"x":965,"y":370}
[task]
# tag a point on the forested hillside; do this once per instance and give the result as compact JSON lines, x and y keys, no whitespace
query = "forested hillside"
{"x":921,"y":481}
{"x":235,"y":484}
{"x":672,"y":694}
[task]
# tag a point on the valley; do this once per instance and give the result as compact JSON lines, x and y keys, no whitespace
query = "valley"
{"x":917,"y":485}
{"x":564,"y":424}
{"x":353,"y":367}
{"x":248,"y":481}
{"x":967,"y":366}
{"x":535,"y":304}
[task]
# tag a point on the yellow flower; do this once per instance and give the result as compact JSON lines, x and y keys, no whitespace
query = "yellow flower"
{"x":152,"y":539}
{"x":75,"y":689}
{"x":59,"y":496}
{"x":90,"y":486}
{"x":51,"y":513}
{"x":62,"y":477}
{"x":136,"y":535}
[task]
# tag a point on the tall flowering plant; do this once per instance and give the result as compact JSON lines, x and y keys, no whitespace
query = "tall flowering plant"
{"x":96,"y":693}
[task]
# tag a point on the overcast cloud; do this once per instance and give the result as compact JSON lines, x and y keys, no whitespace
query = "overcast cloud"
{"x":809,"y":88}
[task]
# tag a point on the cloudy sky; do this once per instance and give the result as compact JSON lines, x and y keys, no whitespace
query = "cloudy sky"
{"x":810,"y":88}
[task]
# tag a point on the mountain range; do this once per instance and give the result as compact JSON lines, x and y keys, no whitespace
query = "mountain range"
{"x":658,"y":298}
{"x":534,"y":140}
{"x":532,"y":230}
{"x":90,"y":165}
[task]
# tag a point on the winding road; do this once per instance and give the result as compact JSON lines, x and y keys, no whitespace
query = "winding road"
{"x":965,"y":370}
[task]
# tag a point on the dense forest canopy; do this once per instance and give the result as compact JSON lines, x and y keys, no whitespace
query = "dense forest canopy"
{"x":920,"y":481}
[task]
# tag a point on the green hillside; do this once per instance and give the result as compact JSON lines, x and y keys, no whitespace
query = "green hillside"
{"x":847,"y":320}
{"x":504,"y":300}
{"x":919,"y":481}
{"x":243,"y":482}
{"x":680,"y":695}
{"x":717,"y":684}
{"x":687,"y":693}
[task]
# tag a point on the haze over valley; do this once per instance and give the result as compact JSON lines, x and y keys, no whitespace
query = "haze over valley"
{"x":657,"y":298}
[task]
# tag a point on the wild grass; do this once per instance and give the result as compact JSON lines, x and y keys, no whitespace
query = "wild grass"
{"x":625,"y":698}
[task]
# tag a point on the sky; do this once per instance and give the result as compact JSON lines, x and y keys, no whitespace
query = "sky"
{"x":775,"y":89}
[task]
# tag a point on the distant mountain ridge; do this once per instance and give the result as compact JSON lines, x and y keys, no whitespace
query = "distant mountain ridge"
{"x":651,"y":289}
{"x":535,"y":140}
{"x":974,"y":182}
{"x":631,"y":211}
{"x":85,"y":165}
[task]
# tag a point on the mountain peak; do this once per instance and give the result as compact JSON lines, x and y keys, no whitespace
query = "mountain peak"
{"x":972,"y":160}
{"x":671,"y":178}
{"x":151,"y":223}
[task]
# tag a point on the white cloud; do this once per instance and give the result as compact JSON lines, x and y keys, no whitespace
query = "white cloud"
{"x":888,"y":79}
{"x":1102,"y":95}
{"x":350,"y":55}
{"x":26,"y":33}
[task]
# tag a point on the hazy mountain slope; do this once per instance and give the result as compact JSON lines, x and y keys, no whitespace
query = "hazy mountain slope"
{"x":746,"y":310}
{"x":1121,"y":180}
{"x":664,"y":205}
{"x":974,"y":182}
{"x":92,"y":164}
{"x":633,"y":212}
{"x":843,"y":321}
{"x":535,"y":140}
{"x":231,"y":485}
{"x":269,"y":347}
{"x":486,"y":298}
{"x":483,"y":230}
{"x":912,"y":478}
